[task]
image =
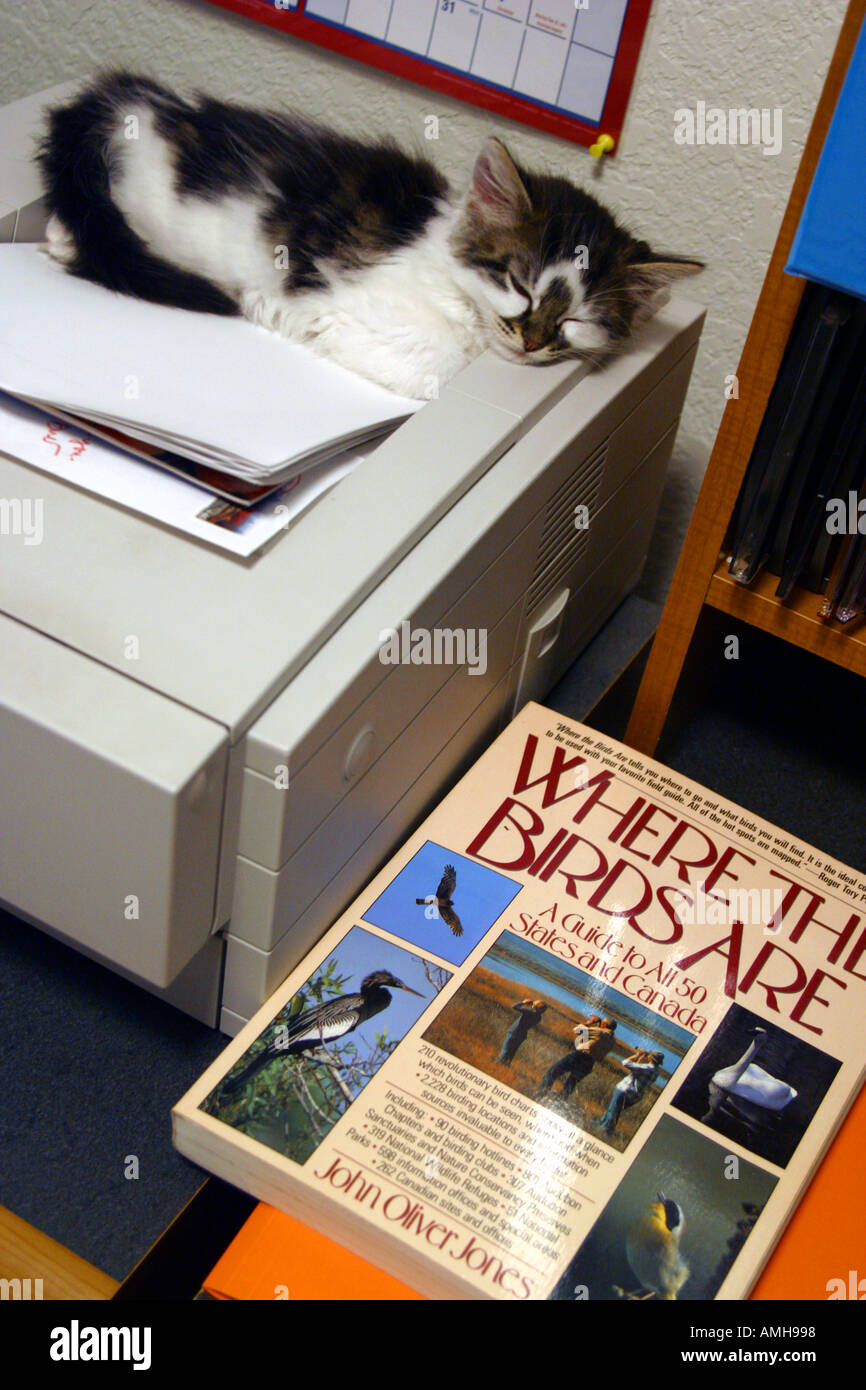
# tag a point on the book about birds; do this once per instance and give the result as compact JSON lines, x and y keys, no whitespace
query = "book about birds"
{"x":586,"y":1036}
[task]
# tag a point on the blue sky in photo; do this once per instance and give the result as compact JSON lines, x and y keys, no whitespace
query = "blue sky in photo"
{"x":481,"y":895}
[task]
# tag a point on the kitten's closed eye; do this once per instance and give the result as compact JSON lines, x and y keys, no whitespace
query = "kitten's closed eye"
{"x":497,"y":270}
{"x":550,"y":303}
{"x":519,"y":288}
{"x":509,"y":301}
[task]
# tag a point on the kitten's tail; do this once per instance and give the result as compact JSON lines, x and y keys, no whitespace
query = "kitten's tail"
{"x":74,"y":158}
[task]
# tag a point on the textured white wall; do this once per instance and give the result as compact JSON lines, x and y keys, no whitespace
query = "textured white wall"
{"x":721,"y":203}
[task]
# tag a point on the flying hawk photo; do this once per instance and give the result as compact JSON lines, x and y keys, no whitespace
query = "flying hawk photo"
{"x":442,"y":900}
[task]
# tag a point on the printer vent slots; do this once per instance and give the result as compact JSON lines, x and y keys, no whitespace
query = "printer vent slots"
{"x":563,"y":539}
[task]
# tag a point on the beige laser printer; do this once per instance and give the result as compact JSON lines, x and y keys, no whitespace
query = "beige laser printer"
{"x":195,"y":816}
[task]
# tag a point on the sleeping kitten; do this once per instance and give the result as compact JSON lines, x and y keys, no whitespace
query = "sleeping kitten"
{"x":357,"y":249}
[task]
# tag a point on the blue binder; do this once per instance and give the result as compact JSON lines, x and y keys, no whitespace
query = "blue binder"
{"x":830,"y":243}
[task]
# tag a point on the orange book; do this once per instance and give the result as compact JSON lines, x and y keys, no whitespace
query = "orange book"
{"x":273,"y":1256}
{"x":826,"y":1236}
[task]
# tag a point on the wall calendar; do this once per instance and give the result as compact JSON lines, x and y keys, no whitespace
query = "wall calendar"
{"x":565,"y":66}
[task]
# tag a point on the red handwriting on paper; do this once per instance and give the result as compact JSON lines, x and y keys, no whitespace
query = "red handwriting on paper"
{"x":50,"y":438}
{"x":75,"y":445}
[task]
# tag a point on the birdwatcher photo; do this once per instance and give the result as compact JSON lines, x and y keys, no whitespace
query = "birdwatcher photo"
{"x":442,"y":902}
{"x":758,"y":1085}
{"x":675,"y":1225}
{"x":305,"y":1069}
{"x":562,"y":1038}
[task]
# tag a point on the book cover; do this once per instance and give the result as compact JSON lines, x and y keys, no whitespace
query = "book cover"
{"x":586,"y":1035}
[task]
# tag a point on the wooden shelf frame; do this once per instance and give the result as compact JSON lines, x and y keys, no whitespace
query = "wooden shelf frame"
{"x":700,"y":579}
{"x":796,"y":619}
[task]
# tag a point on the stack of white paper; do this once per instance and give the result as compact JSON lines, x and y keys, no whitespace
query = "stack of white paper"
{"x":219,"y":391}
{"x":55,"y":446}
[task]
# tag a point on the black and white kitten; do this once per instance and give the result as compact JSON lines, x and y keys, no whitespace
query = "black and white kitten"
{"x":358,"y":249}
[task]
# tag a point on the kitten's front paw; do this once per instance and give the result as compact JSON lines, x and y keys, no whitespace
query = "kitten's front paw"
{"x":260,"y":309}
{"x":59,"y":244}
{"x":285,"y":316}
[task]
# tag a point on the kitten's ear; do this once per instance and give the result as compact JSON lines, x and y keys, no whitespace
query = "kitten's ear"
{"x":651,"y":278}
{"x":497,"y":193}
{"x":663,"y":270}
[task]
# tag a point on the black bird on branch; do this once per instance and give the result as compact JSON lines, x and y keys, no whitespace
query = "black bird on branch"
{"x":442,"y":900}
{"x":323,"y":1023}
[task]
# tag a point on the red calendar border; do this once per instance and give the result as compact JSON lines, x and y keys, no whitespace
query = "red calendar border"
{"x":442,"y":79}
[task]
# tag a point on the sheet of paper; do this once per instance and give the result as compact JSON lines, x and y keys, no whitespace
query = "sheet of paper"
{"x":56,"y":447}
{"x":236,"y":389}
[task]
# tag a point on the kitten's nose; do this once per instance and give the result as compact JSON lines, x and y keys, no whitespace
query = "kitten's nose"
{"x":531,"y":344}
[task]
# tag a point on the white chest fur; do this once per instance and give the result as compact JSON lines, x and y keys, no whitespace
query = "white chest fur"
{"x":405,"y":322}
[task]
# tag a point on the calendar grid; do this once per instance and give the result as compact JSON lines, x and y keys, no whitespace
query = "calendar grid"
{"x":570,"y":40}
{"x":475,"y":44}
{"x":326,"y":12}
{"x":550,"y":63}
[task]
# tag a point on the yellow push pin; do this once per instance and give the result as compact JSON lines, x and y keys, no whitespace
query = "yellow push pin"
{"x":603,"y":145}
